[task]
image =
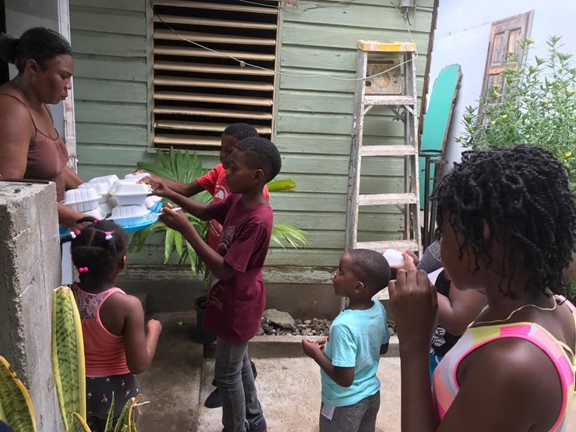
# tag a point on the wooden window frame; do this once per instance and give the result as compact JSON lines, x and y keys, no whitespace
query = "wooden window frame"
{"x":197,"y":92}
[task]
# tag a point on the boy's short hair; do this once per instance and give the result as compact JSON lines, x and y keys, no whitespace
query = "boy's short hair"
{"x":371,"y":268}
{"x":241,"y":131}
{"x":265,"y":155}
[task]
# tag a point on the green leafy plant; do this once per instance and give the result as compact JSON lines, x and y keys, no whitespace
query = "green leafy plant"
{"x":536,"y":104}
{"x":185,"y":166}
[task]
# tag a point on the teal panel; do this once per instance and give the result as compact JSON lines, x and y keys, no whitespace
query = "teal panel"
{"x":437,"y":120}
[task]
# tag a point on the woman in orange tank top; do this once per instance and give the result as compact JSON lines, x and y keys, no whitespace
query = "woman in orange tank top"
{"x":30,"y":145}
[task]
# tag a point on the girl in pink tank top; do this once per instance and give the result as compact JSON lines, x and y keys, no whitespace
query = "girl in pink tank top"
{"x":117,"y":343}
{"x":507,"y":220}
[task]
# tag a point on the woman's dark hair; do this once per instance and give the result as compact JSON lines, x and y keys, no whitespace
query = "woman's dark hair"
{"x":522,"y":196}
{"x":98,"y":249}
{"x":38,"y":43}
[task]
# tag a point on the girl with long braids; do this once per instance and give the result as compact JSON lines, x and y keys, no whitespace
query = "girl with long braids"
{"x":507,"y":220}
{"x":117,"y":342}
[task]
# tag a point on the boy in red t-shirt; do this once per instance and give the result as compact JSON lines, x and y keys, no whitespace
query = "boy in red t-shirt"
{"x":237,"y":295}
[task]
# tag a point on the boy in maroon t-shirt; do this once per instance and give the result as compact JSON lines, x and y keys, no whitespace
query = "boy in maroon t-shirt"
{"x":237,"y":295}
{"x":214,"y":182}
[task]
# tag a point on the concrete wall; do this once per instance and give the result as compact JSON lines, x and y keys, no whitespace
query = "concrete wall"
{"x":30,"y":270}
{"x":177,"y":291}
{"x":24,"y":14}
{"x":462,"y":37}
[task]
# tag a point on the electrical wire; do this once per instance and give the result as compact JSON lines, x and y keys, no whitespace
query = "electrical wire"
{"x":243,"y":63}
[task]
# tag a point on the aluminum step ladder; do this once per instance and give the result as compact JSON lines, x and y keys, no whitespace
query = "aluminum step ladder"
{"x":386,"y":77}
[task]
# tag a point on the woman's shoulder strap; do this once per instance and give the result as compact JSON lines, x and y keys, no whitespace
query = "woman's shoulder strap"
{"x":22,"y":102}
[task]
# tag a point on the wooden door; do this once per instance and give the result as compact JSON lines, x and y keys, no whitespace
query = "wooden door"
{"x":503,"y":52}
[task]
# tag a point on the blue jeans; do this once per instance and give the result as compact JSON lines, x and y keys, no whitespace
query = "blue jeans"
{"x":235,"y":382}
{"x":360,"y":417}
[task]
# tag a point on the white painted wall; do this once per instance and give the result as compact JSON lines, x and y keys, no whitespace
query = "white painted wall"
{"x":463,"y":33}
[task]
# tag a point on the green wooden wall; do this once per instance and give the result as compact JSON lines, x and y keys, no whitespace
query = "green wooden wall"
{"x":313,"y":112}
{"x":111,"y":80}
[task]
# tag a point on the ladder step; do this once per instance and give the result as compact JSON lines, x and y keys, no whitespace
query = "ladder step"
{"x":387,"y":199}
{"x":388,"y":100}
{"x":381,"y":246}
{"x":388,"y":150}
{"x":375,"y":46}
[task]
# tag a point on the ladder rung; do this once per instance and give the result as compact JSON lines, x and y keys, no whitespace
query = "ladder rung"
{"x":375,"y":46}
{"x":372,"y":99}
{"x":388,"y":150}
{"x":381,"y":246}
{"x":387,"y":199}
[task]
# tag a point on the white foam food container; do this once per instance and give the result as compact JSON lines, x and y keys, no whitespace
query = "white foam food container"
{"x":110,"y":179}
{"x":130,"y":215}
{"x":126,"y":192}
{"x":394,"y":257}
{"x":151,"y":201}
{"x":82,"y":200}
{"x":98,"y":213}
{"x":102,"y":187}
{"x":136,"y":177}
{"x":105,"y":208}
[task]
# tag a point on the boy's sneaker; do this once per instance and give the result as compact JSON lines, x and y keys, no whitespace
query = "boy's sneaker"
{"x":214,"y":400}
{"x":258,"y":426}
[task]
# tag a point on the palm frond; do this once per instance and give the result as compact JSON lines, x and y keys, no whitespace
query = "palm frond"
{"x":285,"y":233}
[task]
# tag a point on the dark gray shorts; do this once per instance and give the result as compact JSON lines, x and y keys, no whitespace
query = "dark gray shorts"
{"x":99,"y":392}
{"x":360,"y":417}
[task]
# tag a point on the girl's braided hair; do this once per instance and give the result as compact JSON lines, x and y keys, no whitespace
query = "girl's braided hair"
{"x":522,"y":196}
{"x":98,"y":249}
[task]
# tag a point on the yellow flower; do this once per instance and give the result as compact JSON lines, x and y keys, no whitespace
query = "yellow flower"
{"x":495,"y":94}
{"x":569,"y":91}
{"x":568,"y":155}
{"x":545,"y":101}
{"x":504,"y":116}
{"x":493,"y":122}
{"x":529,"y":40}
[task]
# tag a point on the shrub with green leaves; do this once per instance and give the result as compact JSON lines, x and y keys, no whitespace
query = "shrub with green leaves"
{"x":536,"y":104}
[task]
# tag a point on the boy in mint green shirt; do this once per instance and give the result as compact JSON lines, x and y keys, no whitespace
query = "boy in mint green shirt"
{"x":349,"y":357}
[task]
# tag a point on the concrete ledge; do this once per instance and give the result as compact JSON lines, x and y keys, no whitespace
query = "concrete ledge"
{"x":286,"y":346}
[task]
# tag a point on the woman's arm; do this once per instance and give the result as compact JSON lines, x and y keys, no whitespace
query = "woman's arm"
{"x":459,"y":309}
{"x":71,"y":179}
{"x":68,"y":217}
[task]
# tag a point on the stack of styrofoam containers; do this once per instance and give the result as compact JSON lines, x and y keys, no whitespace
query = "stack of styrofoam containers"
{"x":126,"y":200}
{"x":130,"y":197}
{"x":84,"y":200}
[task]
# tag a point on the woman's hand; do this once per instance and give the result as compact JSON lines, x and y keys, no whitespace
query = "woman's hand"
{"x":176,"y":220}
{"x":414,"y":305}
